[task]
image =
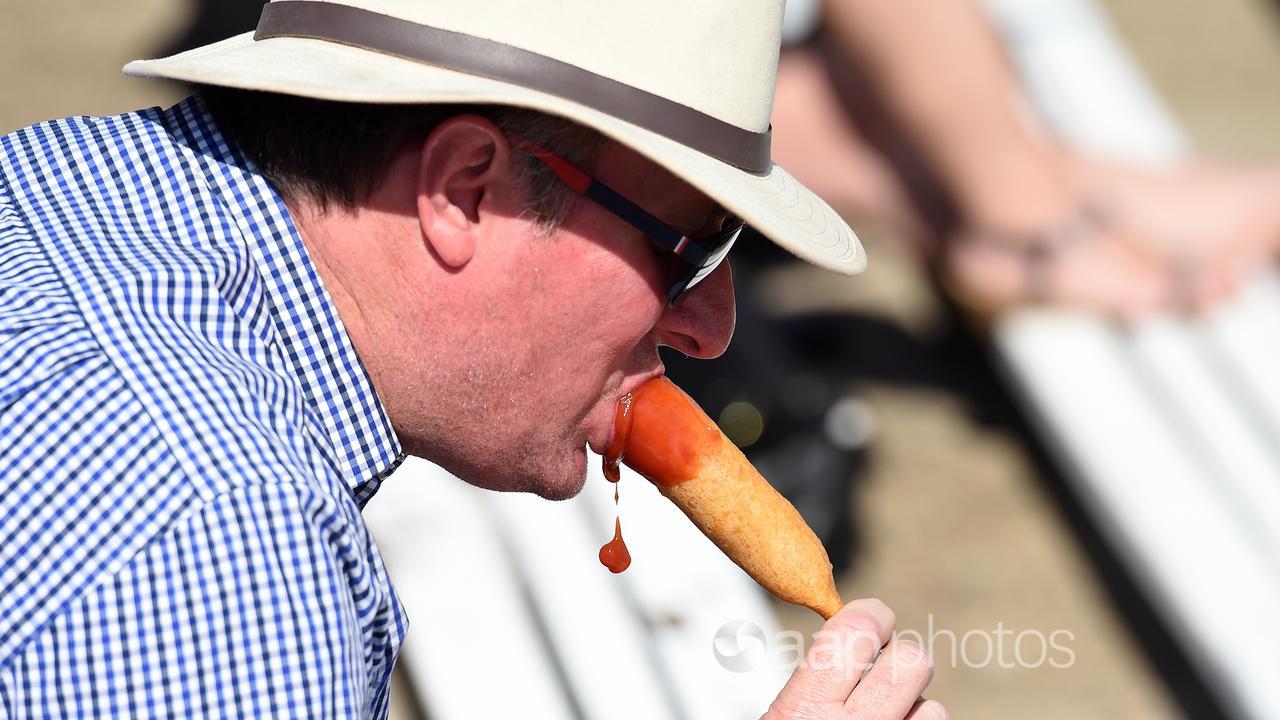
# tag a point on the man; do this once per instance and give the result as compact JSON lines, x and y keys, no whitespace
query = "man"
{"x":225,"y":323}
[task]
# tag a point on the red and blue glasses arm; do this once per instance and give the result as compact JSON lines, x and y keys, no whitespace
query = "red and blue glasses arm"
{"x":583,"y":184}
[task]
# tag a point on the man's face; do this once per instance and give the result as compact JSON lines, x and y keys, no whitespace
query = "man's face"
{"x":544,"y":334}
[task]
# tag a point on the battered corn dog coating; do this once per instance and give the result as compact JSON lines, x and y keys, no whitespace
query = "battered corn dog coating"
{"x":662,"y":434}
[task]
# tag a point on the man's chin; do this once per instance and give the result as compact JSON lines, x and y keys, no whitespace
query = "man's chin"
{"x":548,"y":488}
{"x":561,"y":482}
{"x":567,"y":484}
{"x":563,"y":491}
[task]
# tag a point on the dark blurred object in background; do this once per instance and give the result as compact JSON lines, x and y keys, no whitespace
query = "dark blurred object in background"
{"x":214,"y":21}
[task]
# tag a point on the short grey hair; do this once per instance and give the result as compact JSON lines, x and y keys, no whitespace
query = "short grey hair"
{"x":550,"y":200}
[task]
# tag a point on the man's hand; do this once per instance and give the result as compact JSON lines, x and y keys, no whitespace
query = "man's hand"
{"x":834,"y":682}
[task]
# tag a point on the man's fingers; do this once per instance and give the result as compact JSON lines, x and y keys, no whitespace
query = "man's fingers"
{"x":928,"y":710}
{"x":873,"y":609}
{"x":839,"y":655}
{"x":893,"y":686}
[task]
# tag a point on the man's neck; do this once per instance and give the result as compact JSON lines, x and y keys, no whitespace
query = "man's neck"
{"x":328,"y":234}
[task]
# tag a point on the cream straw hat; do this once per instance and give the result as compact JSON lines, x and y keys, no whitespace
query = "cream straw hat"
{"x":687,"y":83}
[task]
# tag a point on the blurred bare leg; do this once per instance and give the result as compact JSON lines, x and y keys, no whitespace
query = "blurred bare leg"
{"x":818,"y":142}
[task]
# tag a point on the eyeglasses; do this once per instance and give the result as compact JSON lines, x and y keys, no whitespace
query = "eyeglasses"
{"x":699,"y":257}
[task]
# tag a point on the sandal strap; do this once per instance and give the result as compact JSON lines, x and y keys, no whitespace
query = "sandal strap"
{"x":1038,"y":251}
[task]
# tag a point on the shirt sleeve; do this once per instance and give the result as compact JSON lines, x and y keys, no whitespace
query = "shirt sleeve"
{"x":248,"y":608}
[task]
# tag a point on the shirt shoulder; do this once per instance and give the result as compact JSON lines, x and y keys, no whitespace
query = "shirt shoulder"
{"x":143,"y":380}
{"x":186,"y":268}
{"x":137,"y":381}
{"x":152,"y":265}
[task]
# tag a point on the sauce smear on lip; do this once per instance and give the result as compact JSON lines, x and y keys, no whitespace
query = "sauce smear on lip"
{"x":623,"y":421}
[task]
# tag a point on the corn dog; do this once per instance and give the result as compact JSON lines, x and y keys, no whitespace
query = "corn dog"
{"x":661,"y":433}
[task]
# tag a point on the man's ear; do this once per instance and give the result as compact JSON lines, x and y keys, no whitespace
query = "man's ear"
{"x":462,"y":159}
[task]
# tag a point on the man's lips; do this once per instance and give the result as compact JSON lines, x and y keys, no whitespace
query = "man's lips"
{"x":603,"y":445}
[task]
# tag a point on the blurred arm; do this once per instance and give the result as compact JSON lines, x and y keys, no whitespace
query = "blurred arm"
{"x":941,"y":73}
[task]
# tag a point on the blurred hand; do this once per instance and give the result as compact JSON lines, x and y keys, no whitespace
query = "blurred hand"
{"x":1104,"y":270}
{"x":1215,"y":223}
{"x":833,"y":681}
{"x":1170,"y":239}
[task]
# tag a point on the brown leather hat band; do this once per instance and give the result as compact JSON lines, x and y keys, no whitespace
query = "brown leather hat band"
{"x":465,"y":53}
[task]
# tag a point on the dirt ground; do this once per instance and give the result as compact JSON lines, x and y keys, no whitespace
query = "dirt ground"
{"x":937,"y":478}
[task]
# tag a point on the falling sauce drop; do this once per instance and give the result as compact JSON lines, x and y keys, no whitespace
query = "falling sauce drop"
{"x":614,"y":555}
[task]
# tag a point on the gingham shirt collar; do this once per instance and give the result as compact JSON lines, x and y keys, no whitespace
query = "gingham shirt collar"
{"x":341,"y":398}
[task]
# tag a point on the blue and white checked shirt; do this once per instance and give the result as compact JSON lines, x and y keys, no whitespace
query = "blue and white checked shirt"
{"x":186,"y":440}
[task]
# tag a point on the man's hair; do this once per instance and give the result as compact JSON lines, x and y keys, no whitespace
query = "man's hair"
{"x":337,"y":153}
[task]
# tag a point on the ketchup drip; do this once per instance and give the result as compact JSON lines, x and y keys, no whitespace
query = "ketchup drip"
{"x":667,"y":452}
{"x":614,"y":555}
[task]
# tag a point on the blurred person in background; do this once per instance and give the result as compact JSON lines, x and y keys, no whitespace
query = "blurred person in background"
{"x":910,"y":112}
{"x":908,"y":115}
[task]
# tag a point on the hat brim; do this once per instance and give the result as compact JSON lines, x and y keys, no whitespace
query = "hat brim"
{"x":774,"y":204}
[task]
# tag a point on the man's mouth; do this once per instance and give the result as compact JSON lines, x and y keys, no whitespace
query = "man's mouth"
{"x":601,"y":442}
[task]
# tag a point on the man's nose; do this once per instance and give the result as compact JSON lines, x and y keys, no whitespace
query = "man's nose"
{"x":700,"y":323}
